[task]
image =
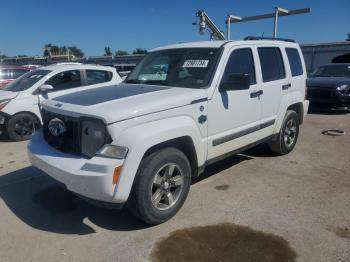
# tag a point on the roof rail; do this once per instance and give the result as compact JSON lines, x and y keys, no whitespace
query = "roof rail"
{"x":268,"y":38}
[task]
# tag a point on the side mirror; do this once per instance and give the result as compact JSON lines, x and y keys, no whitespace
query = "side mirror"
{"x":46,"y":88}
{"x":235,"y":82}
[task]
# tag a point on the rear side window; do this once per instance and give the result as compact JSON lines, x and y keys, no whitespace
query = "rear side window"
{"x":271,"y":61}
{"x":98,"y":76}
{"x":65,"y":80}
{"x":294,"y":61}
{"x":240,"y":62}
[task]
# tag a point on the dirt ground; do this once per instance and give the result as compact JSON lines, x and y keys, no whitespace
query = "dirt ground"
{"x":251,"y":207}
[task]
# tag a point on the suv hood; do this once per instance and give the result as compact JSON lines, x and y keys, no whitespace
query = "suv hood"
{"x":327,"y":81}
{"x":7,"y":94}
{"x":124,"y":101}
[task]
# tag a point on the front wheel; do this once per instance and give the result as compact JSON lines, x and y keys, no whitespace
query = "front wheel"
{"x":288,"y":135}
{"x":21,"y":126}
{"x":161,"y":186}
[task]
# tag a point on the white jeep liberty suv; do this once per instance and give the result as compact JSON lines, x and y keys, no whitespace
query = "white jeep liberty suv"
{"x":183,"y":107}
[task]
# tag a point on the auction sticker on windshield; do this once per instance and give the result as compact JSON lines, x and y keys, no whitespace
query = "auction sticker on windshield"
{"x":196,"y":63}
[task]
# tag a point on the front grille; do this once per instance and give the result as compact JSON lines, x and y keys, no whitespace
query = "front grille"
{"x":67,"y":142}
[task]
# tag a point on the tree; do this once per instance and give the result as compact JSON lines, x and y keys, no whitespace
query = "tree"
{"x":139,"y":51}
{"x":121,"y":53}
{"x":2,"y":56}
{"x":348,"y":39}
{"x":108,"y":51}
{"x":77,"y":52}
{"x":53,"y":50}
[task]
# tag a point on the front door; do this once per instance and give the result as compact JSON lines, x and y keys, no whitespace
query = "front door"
{"x":62,"y":83}
{"x":234,"y":115}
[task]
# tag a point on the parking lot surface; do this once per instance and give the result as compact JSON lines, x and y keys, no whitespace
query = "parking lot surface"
{"x":301,"y":200}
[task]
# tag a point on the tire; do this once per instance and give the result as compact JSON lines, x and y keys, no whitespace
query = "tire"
{"x":286,"y":139}
{"x":151,"y":184}
{"x":20,"y":127}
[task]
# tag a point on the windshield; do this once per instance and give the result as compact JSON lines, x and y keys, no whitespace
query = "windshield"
{"x":332,"y":71}
{"x":26,"y":81}
{"x":185,"y":67}
{"x":11,"y":73}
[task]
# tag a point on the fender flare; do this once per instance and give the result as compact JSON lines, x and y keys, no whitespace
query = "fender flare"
{"x":287,"y":100}
{"x":140,"y":138}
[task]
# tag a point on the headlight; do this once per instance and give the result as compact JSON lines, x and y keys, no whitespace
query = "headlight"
{"x":113,"y":151}
{"x":3,"y":103}
{"x":93,"y":136}
{"x":344,"y":88}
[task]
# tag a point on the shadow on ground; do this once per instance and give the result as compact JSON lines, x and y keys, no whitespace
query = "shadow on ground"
{"x":44,"y":204}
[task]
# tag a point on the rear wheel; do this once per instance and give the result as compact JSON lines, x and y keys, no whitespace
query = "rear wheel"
{"x":161,"y":186}
{"x":21,"y":126}
{"x":288,"y":135}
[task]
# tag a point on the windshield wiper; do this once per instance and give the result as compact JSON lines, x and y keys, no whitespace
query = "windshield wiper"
{"x":133,"y":81}
{"x":158,"y":82}
{"x":150,"y":82}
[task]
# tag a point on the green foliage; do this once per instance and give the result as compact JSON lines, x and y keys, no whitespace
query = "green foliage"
{"x":139,"y":51}
{"x":108,"y":51}
{"x":121,"y":53}
{"x":62,"y":50}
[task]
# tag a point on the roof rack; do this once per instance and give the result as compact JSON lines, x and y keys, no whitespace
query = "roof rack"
{"x":268,"y":38}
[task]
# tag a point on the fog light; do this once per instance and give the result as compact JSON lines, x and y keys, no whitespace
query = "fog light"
{"x":2,"y":120}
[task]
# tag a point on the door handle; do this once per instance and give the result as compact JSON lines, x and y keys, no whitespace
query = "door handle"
{"x":286,"y":86}
{"x":256,"y":94}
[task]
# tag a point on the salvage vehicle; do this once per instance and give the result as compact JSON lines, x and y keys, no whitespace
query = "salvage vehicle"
{"x":182,"y":108}
{"x":21,"y":100}
{"x":10,"y":73}
{"x":329,"y":87}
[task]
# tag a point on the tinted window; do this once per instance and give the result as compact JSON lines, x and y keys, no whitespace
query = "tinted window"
{"x":332,"y":71}
{"x":240,"y":62}
{"x":294,"y":61}
{"x":65,"y":80}
{"x":98,"y":76}
{"x":26,"y":81}
{"x":271,"y":61}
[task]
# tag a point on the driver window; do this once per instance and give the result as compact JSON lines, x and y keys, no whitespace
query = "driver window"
{"x":240,"y":62}
{"x":65,"y":80}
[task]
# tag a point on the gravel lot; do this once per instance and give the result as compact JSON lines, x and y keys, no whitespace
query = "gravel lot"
{"x":301,"y":200}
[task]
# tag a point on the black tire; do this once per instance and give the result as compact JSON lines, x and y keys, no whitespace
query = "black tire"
{"x":281,"y":144}
{"x":20,"y":127}
{"x":145,"y":187}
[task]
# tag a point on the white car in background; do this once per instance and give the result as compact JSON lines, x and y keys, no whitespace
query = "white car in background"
{"x":21,"y":100}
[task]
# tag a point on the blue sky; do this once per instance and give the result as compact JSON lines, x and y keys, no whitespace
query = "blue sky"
{"x":26,"y":26}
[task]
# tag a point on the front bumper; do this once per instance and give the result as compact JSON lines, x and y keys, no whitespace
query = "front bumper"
{"x":328,"y":97}
{"x":90,"y":178}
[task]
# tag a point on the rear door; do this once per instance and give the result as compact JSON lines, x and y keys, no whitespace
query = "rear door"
{"x":275,"y":81}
